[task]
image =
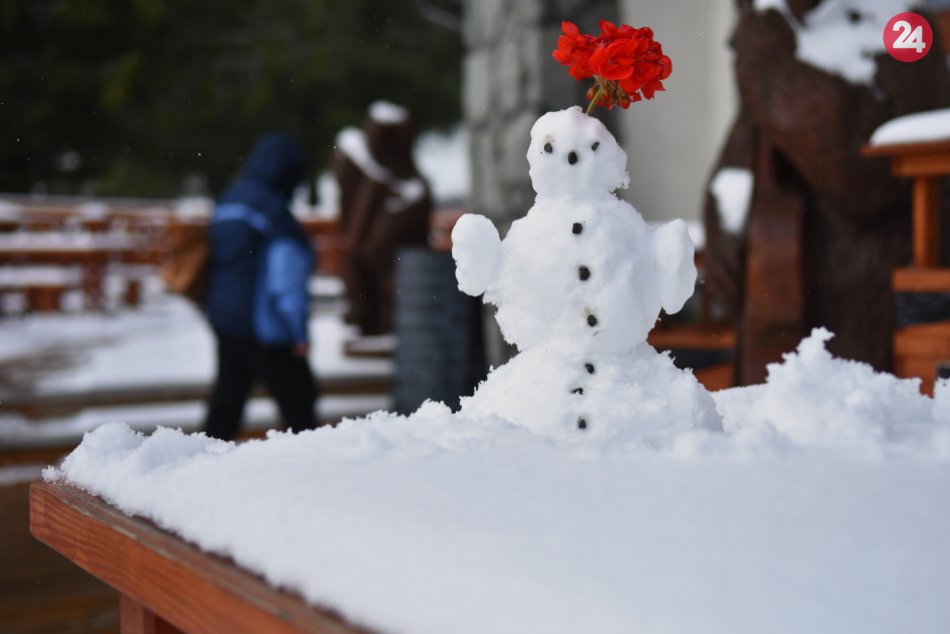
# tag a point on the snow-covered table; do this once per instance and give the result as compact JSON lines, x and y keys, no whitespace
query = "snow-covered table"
{"x":165,"y":585}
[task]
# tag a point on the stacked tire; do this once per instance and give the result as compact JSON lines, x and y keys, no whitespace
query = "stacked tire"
{"x":439,"y":351}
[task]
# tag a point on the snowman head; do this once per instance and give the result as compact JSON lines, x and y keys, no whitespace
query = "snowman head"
{"x":573,"y":155}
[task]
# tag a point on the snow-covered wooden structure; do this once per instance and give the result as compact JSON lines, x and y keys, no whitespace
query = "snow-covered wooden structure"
{"x":921,"y":350}
{"x":165,"y":585}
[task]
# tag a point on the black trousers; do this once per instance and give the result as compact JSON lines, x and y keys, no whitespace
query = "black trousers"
{"x":241,"y":362}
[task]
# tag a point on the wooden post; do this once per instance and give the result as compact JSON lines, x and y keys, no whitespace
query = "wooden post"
{"x":772,"y":319}
{"x":926,"y":223}
{"x":134,"y":618}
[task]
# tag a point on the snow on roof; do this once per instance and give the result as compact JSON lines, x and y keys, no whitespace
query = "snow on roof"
{"x":387,"y":112}
{"x":823,"y":502}
{"x":830,"y":39}
{"x":919,"y":127}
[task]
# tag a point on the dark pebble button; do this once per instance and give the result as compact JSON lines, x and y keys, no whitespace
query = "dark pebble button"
{"x":584,"y":273}
{"x":591,"y":321}
{"x":590,"y":368}
{"x":577,"y":228}
{"x":578,"y":390}
{"x":581,"y":423}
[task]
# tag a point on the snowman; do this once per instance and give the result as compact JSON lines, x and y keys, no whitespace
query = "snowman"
{"x":578,"y":282}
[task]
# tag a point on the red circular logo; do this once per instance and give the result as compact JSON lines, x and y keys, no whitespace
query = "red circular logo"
{"x":908,"y":37}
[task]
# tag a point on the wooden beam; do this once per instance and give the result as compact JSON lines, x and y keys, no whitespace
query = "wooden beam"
{"x":921,"y":280}
{"x":161,"y":575}
{"x":926,"y":223}
{"x":900,"y":149}
{"x":915,"y":165}
{"x":693,"y":337}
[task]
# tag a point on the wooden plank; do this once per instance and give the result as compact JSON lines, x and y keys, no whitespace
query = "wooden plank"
{"x":903,"y":149}
{"x":693,"y":337}
{"x":716,"y":377}
{"x":923,"y":340}
{"x":916,"y":367}
{"x":928,"y":164}
{"x":921,"y":280}
{"x":191,"y":590}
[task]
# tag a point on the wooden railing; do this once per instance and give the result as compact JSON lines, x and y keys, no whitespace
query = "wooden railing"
{"x":164,"y":584}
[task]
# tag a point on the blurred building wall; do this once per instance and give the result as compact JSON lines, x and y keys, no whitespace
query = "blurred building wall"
{"x":672,"y":141}
{"x":509,"y":80}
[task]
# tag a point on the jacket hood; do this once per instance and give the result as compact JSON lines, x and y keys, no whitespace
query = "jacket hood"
{"x":277,"y":162}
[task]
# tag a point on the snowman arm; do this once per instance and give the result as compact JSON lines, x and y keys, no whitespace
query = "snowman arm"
{"x":476,"y":248}
{"x":673,"y":262}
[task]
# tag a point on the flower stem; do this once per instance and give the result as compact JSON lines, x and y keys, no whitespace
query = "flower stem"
{"x":593,"y":102}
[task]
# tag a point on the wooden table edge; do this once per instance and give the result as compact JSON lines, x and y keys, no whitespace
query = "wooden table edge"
{"x":901,"y":149}
{"x":189,"y":589}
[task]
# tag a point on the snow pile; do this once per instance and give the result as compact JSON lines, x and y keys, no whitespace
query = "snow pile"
{"x":732,"y":189}
{"x":815,"y":400}
{"x":919,"y":127}
{"x":633,"y":399}
{"x":841,"y":37}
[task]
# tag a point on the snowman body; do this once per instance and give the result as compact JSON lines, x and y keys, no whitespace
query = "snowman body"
{"x":579,"y":281}
{"x":570,"y":275}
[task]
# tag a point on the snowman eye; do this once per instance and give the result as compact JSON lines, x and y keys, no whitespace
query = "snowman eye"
{"x":548,"y":148}
{"x":595,"y":146}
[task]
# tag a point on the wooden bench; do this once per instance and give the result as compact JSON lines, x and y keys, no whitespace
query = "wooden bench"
{"x":40,"y":288}
{"x":920,"y":350}
{"x":166,"y":585}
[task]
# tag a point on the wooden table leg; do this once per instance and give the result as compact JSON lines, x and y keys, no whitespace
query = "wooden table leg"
{"x":135,"y":618}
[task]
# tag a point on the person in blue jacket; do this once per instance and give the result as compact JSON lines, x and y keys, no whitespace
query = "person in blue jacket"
{"x":257,"y":301}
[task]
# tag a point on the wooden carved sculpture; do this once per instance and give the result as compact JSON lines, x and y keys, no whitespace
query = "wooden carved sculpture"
{"x":385,"y":205}
{"x":825,"y":227}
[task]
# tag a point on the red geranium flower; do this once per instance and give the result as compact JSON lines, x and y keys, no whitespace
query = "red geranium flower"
{"x":614,"y":61}
{"x":627,"y":64}
{"x":574,"y":50}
